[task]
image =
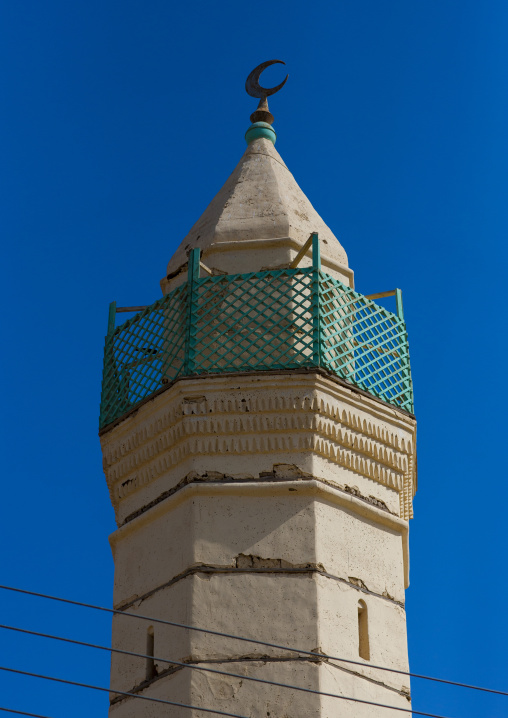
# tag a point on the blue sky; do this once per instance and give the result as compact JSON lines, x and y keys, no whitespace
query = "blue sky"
{"x":120,"y":121}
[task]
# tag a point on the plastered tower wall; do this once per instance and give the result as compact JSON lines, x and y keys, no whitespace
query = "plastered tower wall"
{"x":269,"y":505}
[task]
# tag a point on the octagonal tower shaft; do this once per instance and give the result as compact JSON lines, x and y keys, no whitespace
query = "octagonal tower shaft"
{"x":265,"y":500}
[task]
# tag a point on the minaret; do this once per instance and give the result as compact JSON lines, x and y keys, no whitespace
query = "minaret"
{"x":259,"y":449}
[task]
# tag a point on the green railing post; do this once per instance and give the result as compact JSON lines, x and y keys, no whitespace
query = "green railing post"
{"x":112,"y":318}
{"x":398,"y":301}
{"x":192,"y":298}
{"x":110,"y":379}
{"x":407,"y":384}
{"x":405,"y":367}
{"x":316,"y":318}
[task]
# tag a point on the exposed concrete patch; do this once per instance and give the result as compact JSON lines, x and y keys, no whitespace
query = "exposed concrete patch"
{"x":355,"y":491}
{"x":246,"y":562}
{"x":285,"y":472}
{"x":357,"y":582}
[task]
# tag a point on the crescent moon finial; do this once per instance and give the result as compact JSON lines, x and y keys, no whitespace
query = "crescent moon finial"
{"x":252,"y":86}
{"x":254,"y":89}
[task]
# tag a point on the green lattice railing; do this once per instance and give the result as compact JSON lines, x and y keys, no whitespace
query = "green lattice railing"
{"x":279,"y":319}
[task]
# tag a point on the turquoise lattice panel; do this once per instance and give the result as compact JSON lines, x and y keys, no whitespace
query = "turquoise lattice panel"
{"x":364,"y":343}
{"x":280,"y":319}
{"x":255,"y":321}
{"x":143,"y":354}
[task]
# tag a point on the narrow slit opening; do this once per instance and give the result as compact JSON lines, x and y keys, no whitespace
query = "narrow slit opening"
{"x":363,"y":631}
{"x":150,"y":665}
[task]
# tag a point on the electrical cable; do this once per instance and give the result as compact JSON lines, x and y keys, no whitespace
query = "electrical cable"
{"x":314,"y":654}
{"x":22,"y":713}
{"x":122,"y":693}
{"x":203,"y":668}
{"x":209,"y":710}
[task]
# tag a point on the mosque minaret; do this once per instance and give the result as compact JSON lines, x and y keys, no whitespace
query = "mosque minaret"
{"x":258,"y":440}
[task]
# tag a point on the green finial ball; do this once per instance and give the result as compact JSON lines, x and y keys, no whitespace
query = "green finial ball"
{"x":258,"y":130}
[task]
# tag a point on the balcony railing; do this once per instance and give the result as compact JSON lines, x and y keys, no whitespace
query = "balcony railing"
{"x":271,"y":320}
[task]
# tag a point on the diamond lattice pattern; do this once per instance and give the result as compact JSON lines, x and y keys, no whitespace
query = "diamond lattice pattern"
{"x":144,"y":354}
{"x":364,"y":343}
{"x":254,"y":322}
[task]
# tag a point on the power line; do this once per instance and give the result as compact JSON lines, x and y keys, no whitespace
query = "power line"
{"x":122,"y":693}
{"x":209,"y":710}
{"x":254,"y":640}
{"x":203,"y":668}
{"x":22,"y":713}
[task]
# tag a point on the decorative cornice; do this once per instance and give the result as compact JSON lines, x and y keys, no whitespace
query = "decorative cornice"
{"x":280,"y":472}
{"x":277,"y":418}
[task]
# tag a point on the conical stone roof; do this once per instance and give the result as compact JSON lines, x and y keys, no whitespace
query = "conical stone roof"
{"x":258,"y":220}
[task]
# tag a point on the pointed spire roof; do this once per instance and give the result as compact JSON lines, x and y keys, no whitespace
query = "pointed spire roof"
{"x":260,"y":200}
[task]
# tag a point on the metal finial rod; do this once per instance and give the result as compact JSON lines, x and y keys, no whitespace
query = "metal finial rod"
{"x":254,"y":89}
